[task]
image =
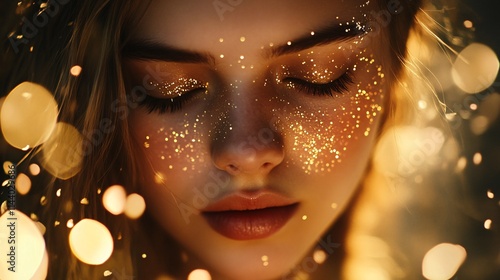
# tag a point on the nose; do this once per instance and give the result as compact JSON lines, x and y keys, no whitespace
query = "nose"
{"x":246,"y":145}
{"x":241,"y":157}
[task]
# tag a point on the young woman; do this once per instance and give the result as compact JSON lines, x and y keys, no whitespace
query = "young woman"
{"x":248,"y":127}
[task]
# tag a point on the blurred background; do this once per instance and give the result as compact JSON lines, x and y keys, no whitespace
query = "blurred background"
{"x":480,"y":136}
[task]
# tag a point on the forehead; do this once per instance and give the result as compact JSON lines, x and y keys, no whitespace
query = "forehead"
{"x":200,"y":25}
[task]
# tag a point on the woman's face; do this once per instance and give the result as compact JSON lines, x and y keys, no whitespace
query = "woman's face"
{"x":253,"y":122}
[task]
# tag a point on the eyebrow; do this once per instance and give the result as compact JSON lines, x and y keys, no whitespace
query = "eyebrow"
{"x":152,"y":50}
{"x":332,"y":33}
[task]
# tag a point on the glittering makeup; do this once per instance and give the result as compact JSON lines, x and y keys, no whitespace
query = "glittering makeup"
{"x":323,"y":135}
{"x":245,"y":139}
{"x":178,"y":88}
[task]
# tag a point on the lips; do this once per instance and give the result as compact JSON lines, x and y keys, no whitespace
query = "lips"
{"x":246,"y":216}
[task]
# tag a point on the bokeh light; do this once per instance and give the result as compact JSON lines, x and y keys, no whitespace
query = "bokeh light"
{"x":490,"y":194}
{"x":319,"y":256}
{"x":487,"y":224}
{"x":91,"y":242}
{"x":6,"y":166}
{"x":41,"y":273}
{"x":135,"y":206}
{"x":23,"y":184}
{"x":199,"y":274}
{"x":75,"y":70}
{"x":403,"y":150}
{"x":114,"y":199}
{"x":468,"y":24}
{"x":479,"y":125}
{"x":487,"y":115}
{"x":28,"y":116}
{"x":475,"y":68}
{"x":62,"y":153}
{"x":41,"y":227}
{"x":442,"y":261}
{"x":34,"y":169}
{"x":30,"y":256}
{"x":70,"y":223}
{"x":3,"y":207}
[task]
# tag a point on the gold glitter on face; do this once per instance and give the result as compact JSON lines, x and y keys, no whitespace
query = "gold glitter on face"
{"x":321,"y":134}
{"x":182,"y":142}
{"x":266,"y":113}
{"x":179,"y":87}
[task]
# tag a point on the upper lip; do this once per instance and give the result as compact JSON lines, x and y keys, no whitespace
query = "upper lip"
{"x":241,"y":201}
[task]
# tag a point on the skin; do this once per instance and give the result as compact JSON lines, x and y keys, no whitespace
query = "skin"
{"x":253,"y":128}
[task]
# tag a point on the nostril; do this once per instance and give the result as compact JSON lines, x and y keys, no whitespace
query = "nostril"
{"x":267,"y":165}
{"x":232,"y":168}
{"x":232,"y":158}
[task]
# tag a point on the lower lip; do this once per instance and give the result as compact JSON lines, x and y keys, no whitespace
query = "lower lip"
{"x":250,"y":224}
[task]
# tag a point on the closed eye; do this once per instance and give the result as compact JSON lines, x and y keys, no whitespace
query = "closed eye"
{"x":172,"y":104}
{"x":338,"y":86}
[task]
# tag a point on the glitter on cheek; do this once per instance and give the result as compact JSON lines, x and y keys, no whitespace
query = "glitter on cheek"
{"x":170,"y":144}
{"x":319,"y":136}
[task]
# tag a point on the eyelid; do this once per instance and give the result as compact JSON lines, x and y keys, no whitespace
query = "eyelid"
{"x":177,"y":88}
{"x":169,"y":105}
{"x":338,"y":86}
{"x":320,"y":73}
{"x":168,"y":86}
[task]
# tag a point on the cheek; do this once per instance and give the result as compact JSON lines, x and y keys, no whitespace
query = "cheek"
{"x":320,"y":138}
{"x":170,"y":151}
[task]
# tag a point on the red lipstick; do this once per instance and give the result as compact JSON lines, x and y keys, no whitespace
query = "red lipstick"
{"x":250,"y":215}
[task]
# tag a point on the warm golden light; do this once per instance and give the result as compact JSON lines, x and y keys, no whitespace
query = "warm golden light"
{"x":3,"y":207}
{"x":23,"y":184}
{"x":468,"y":24}
{"x":199,"y":274}
{"x":91,"y":242}
{"x":28,"y":251}
{"x":6,"y":166}
{"x":487,"y":224}
{"x":319,"y":256}
{"x":490,"y":194}
{"x":75,"y":70}
{"x":442,"y":261}
{"x":477,"y":158}
{"x":34,"y":169}
{"x":475,"y":68}
{"x":403,"y":150}
{"x":114,"y":199}
{"x":28,"y":116}
{"x":135,"y":206}
{"x":62,"y":153}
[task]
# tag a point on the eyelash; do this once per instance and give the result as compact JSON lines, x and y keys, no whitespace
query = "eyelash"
{"x":339,"y":86}
{"x":172,"y":105}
